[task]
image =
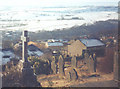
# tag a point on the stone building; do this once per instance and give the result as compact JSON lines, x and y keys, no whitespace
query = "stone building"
{"x":55,"y":46}
{"x":77,"y":47}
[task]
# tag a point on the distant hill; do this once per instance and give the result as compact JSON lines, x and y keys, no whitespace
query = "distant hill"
{"x":100,"y":27}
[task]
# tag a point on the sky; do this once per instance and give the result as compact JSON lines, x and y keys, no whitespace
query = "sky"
{"x":56,"y":2}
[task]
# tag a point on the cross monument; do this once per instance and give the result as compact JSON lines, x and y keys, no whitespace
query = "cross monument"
{"x":24,"y":39}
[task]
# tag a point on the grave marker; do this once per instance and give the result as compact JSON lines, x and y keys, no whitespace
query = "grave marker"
{"x":28,"y":77}
{"x":74,"y":62}
{"x":91,"y":64}
{"x":61,"y":65}
{"x":73,"y":74}
{"x":54,"y":65}
{"x":24,"y":39}
{"x":68,"y":76}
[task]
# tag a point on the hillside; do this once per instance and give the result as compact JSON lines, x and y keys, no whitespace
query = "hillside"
{"x":96,"y":29}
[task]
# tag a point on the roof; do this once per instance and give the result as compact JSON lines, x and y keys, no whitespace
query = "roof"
{"x":91,"y":42}
{"x":55,"y":44}
{"x":32,"y":47}
{"x":6,"y":55}
{"x":34,"y":51}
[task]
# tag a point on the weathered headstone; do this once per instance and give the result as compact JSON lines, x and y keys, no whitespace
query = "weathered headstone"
{"x":73,"y":75}
{"x":28,"y":77}
{"x":61,"y":65}
{"x":91,"y":64}
{"x":87,"y":61}
{"x":74,"y":62}
{"x":68,"y":75}
{"x":95,"y":62}
{"x":86,"y":56}
{"x":54,"y":65}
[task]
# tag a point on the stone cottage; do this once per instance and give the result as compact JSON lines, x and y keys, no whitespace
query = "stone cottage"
{"x":78,"y":47}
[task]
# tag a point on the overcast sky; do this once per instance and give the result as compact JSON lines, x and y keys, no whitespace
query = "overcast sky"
{"x":56,"y":2}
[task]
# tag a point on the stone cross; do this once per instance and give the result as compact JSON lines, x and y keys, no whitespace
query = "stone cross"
{"x":28,"y":79}
{"x":24,"y":46}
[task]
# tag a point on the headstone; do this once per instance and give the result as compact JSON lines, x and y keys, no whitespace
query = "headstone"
{"x":61,"y":65}
{"x":28,"y":77}
{"x":74,"y":62}
{"x":95,"y":62}
{"x":87,"y":61}
{"x":115,"y":68}
{"x":91,"y":64}
{"x":68,"y":76}
{"x":86,"y":56}
{"x":73,"y":75}
{"x":54,"y":65}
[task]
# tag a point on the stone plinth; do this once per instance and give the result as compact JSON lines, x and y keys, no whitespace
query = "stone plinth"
{"x":28,"y":77}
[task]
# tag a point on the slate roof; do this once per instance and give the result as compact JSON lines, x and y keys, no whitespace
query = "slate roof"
{"x":6,"y":55}
{"x":34,"y":51}
{"x":92,"y":42}
{"x":32,"y":47}
{"x":55,"y":44}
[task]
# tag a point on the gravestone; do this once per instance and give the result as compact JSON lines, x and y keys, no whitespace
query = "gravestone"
{"x":95,"y":62}
{"x":74,"y":62}
{"x":54,"y":65}
{"x":73,"y":75}
{"x":86,"y":56}
{"x":68,"y":76}
{"x":91,"y":64}
{"x":28,"y":77}
{"x":115,"y":68}
{"x":87,"y":61}
{"x":61,"y":65}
